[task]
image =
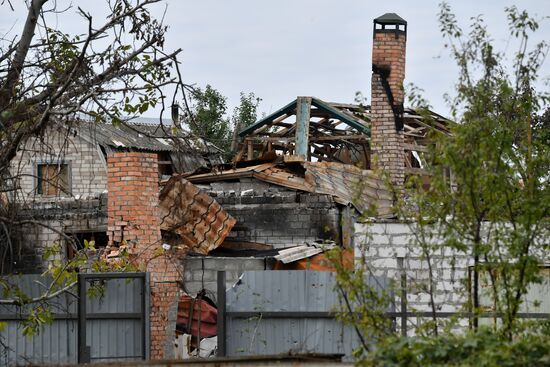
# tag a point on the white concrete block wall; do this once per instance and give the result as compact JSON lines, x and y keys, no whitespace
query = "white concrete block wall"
{"x":382,"y":243}
{"x":88,"y":173}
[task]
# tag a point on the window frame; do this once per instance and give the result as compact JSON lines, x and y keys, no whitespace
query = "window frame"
{"x":38,"y":178}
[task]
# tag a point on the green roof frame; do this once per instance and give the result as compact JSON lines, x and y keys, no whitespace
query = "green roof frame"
{"x":323,"y":106}
{"x":266,"y":120}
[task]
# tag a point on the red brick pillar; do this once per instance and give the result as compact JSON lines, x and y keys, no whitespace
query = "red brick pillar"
{"x":388,"y":60}
{"x":133,"y":218}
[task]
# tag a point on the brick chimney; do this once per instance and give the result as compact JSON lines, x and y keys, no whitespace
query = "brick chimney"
{"x":133,"y":218}
{"x":388,"y":73}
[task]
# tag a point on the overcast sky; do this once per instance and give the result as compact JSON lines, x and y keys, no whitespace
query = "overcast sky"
{"x":285,"y":48}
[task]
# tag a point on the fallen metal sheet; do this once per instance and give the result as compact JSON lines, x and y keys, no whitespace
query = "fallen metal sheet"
{"x":308,"y":250}
{"x":196,"y":317}
{"x":297,"y":253}
{"x":200,"y":222}
{"x":351,"y":185}
{"x":319,"y":262}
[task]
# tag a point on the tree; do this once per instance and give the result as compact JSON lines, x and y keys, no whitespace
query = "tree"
{"x":209,"y":119}
{"x":489,"y":200}
{"x":245,"y":114}
{"x":115,"y":70}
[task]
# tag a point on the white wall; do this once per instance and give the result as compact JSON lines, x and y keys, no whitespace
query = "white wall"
{"x":382,"y":243}
{"x":88,"y":172}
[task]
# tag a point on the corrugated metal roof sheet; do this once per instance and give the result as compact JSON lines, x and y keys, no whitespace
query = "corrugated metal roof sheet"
{"x":201,"y":223}
{"x":158,"y":138}
{"x":296,"y":253}
{"x":352,"y":185}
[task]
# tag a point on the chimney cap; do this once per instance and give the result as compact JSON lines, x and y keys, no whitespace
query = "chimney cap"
{"x":390,"y":18}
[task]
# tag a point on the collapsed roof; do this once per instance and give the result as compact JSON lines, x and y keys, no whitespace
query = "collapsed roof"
{"x":347,"y":184}
{"x":338,"y":132}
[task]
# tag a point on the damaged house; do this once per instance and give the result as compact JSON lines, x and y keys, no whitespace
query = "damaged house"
{"x":301,"y":182}
{"x":303,"y":176}
{"x":61,"y":179}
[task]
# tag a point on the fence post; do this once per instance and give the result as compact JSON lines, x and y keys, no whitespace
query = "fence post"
{"x":146,"y":314}
{"x":400,"y":264}
{"x":83,"y":350}
{"x":221,"y":315}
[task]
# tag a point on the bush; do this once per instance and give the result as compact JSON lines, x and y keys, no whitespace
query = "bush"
{"x":482,"y":348}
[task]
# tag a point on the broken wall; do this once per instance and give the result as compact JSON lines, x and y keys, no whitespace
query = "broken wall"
{"x":67,"y":216}
{"x":276,"y":215}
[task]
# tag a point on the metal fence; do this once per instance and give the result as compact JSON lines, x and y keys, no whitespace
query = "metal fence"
{"x":282,"y":312}
{"x":112,"y":324}
{"x":534,"y":293}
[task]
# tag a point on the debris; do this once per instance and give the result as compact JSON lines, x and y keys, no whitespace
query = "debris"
{"x":318,"y":262}
{"x":292,"y":254}
{"x":243,"y":245}
{"x":345,"y":182}
{"x":199,"y":221}
{"x":197,"y":317}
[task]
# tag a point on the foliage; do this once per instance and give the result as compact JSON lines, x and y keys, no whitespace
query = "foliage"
{"x":115,"y":70}
{"x":482,"y":348}
{"x":244,"y":115}
{"x":488,"y":200}
{"x":364,"y":302}
{"x":50,"y":79}
{"x":495,"y":203}
{"x":209,"y":117}
{"x":211,"y":122}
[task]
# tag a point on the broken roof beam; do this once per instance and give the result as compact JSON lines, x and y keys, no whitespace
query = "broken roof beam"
{"x":289,"y":108}
{"x":348,"y":120}
{"x":303,"y":116}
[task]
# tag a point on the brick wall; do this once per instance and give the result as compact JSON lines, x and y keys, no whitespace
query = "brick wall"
{"x":386,"y":142}
{"x":276,"y":215}
{"x":134,"y":218}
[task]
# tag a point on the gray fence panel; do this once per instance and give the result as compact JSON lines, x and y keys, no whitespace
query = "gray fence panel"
{"x":56,"y":343}
{"x":118,"y":338}
{"x":305,"y":296}
{"x":114,"y":324}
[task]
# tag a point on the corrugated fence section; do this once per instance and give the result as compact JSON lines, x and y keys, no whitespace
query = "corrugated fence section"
{"x":56,"y":343}
{"x":281,"y":312}
{"x":114,"y":318}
